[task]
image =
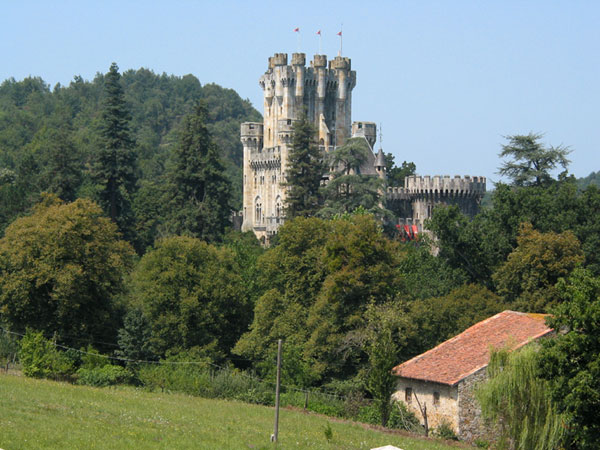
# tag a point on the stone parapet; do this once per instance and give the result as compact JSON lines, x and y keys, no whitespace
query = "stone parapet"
{"x":340,"y":63}
{"x":446,"y":185}
{"x":279,"y":59}
{"x":298,"y":59}
{"x":251,"y":130}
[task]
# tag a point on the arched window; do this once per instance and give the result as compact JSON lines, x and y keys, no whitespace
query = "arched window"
{"x":258,"y":210}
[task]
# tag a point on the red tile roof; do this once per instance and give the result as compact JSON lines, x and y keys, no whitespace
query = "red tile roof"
{"x":466,"y":353}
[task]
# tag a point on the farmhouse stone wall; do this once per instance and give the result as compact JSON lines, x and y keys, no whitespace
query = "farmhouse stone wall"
{"x":470,"y":422}
{"x":446,"y":410}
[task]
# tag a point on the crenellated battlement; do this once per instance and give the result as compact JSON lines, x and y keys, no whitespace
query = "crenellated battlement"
{"x":438,"y":185}
{"x":252,"y":129}
{"x":279,"y":59}
{"x":340,"y":63}
{"x":298,"y":59}
{"x":319,"y":61}
{"x":323,"y":92}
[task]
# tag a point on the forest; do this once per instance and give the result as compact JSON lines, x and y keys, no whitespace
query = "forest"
{"x":117,"y":252}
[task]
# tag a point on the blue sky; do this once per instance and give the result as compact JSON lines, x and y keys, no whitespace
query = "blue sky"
{"x":446,"y":79}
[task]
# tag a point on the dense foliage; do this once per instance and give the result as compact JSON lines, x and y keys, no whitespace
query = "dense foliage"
{"x":305,"y":171}
{"x":62,"y":269}
{"x":192,"y":295}
{"x":54,"y":139}
{"x":198,"y":193}
{"x":518,"y":401}
{"x":571,"y":361}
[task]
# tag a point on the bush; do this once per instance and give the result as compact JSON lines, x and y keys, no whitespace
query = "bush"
{"x":40,"y":358}
{"x":9,"y":348}
{"x":444,"y":431}
{"x":107,"y":375}
{"x":403,"y":419}
{"x":400,"y":417}
{"x":91,"y":358}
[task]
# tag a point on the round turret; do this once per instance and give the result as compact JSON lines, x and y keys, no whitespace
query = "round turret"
{"x":319,"y":61}
{"x":252,"y":134}
{"x":340,"y":63}
{"x":298,"y":59}
{"x":279,"y":59}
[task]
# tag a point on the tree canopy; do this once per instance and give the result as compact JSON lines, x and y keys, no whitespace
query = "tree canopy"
{"x":192,"y":295}
{"x":531,"y":162}
{"x":347,"y":188}
{"x":62,"y":269}
{"x":571,"y":361}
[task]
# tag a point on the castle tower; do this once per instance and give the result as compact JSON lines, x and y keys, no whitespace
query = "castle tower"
{"x":380,"y":164}
{"x":325,"y":94}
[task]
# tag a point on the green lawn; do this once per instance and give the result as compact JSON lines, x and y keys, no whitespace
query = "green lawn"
{"x":46,"y":414}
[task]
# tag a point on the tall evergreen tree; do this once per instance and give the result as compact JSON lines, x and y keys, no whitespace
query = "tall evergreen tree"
{"x":305,"y":170}
{"x":198,"y":198}
{"x":114,"y":169}
{"x":349,"y":189}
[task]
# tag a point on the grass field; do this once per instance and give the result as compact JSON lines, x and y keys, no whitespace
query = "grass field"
{"x":47,"y":414}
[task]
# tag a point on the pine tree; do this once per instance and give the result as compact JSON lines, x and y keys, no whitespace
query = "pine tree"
{"x":114,"y":169}
{"x":305,"y":170}
{"x":198,"y":197}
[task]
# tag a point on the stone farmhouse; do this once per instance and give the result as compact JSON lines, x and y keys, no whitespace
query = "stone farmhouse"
{"x":324,"y":91}
{"x":444,"y":378}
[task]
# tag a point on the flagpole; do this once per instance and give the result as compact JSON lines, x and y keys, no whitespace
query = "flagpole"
{"x":340,"y":34}
{"x":297,"y":30}
{"x":320,"y":50}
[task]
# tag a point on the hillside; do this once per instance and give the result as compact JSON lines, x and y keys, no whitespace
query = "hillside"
{"x":46,"y":414}
{"x":36,"y":119}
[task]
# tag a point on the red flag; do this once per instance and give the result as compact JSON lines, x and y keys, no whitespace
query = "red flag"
{"x":340,"y":33}
{"x":296,"y":30}
{"x":319,"y":32}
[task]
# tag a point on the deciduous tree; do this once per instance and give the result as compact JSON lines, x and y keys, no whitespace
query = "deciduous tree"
{"x":528,"y":278}
{"x":518,"y":402}
{"x":61,"y":269}
{"x":571,"y":360}
{"x":193,"y":296}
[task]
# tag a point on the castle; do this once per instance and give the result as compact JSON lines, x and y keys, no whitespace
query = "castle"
{"x":324,"y":92}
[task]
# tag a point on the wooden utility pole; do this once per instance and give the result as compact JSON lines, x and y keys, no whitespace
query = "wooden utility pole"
{"x":276,"y":431}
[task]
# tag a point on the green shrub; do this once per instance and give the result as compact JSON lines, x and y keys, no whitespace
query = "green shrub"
{"x":107,"y":375}
{"x":400,"y":417}
{"x":259,"y":396}
{"x":444,"y":431}
{"x":403,"y":419}
{"x":91,"y":358}
{"x":40,"y":358}
{"x":189,"y":379}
